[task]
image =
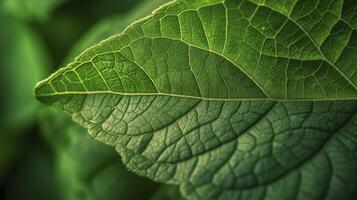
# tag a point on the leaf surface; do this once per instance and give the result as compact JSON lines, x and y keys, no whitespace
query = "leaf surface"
{"x":216,"y":149}
{"x":192,"y":95}
{"x":223,"y":50}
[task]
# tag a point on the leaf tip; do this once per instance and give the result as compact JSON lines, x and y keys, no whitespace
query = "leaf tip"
{"x":41,"y":90}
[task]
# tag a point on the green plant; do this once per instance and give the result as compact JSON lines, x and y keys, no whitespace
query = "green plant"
{"x":228,"y":99}
{"x":17,"y":102}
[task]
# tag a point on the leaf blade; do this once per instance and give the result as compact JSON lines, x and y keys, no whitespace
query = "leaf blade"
{"x":183,"y":105}
{"x":181,"y":63}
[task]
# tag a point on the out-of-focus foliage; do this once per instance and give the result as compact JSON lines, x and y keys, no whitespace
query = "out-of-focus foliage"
{"x":23,"y":61}
{"x":167,"y":192}
{"x":111,"y":26}
{"x":37,"y":10}
{"x":34,"y":178}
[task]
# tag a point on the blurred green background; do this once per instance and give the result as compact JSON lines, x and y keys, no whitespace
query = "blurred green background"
{"x":43,"y":155}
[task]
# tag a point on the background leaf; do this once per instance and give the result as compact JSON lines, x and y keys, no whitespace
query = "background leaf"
{"x":23,"y":62}
{"x":31,"y":10}
{"x":17,"y":103}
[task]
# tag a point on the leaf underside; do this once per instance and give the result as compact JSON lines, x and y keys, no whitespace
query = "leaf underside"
{"x":224,"y":149}
{"x":192,"y":95}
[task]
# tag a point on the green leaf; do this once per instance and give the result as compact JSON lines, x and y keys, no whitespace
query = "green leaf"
{"x":192,"y":95}
{"x":217,"y":149}
{"x":23,"y":62}
{"x":214,"y":50}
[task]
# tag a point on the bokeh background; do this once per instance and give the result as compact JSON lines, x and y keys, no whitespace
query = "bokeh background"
{"x":43,"y":154}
